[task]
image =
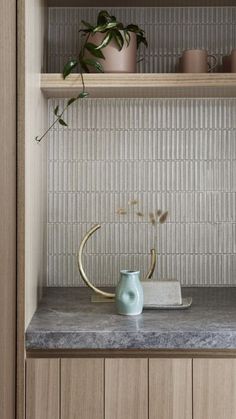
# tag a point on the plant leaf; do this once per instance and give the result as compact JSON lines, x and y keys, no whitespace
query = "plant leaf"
{"x":85,"y":31}
{"x":56,"y":110}
{"x":62,"y":122}
{"x":88,"y":25}
{"x":163,"y":217}
{"x":140,"y":60}
{"x":120,"y":26}
{"x":118,"y":38}
{"x":70,"y":101}
{"x":69,"y":66}
{"x":121,"y":211}
{"x":82,"y":95}
{"x":127,"y":37}
{"x":92,"y":48}
{"x":133,"y":28}
{"x":104,"y":17}
{"x":93,"y":63}
{"x":105,"y":41}
{"x":83,"y":65}
{"x":133,"y":202}
{"x":141,"y":39}
{"x":104,"y":28}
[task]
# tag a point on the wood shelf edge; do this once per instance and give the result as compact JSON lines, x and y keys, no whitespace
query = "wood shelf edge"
{"x":130,"y":353}
{"x":142,"y":85}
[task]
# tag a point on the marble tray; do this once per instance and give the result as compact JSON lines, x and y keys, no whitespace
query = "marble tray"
{"x":186,"y":303}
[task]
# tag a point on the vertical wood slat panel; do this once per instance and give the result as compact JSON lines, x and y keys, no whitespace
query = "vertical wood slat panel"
{"x":126,"y":388}
{"x":214,"y":388}
{"x":82,"y":388}
{"x":31,"y":172}
{"x":170,"y":389}
{"x":43,"y":389}
{"x":7,"y":208}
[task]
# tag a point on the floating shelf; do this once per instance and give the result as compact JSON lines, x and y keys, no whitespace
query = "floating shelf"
{"x":141,"y":85}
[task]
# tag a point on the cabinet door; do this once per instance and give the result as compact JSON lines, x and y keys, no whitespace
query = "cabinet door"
{"x":214,"y":388}
{"x":82,"y":388}
{"x":126,"y":388}
{"x":170,"y":389}
{"x":42,"y":388}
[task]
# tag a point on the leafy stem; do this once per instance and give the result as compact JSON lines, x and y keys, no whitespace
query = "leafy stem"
{"x":90,"y":55}
{"x":59,"y":115}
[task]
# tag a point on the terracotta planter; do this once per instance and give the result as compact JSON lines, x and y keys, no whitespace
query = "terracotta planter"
{"x":116,"y":61}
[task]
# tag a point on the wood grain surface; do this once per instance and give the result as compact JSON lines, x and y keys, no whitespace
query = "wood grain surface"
{"x":126,"y":388}
{"x":43,"y":389}
{"x":214,"y":388}
{"x":170,"y":389}
{"x":82,"y":388}
{"x":7,"y":208}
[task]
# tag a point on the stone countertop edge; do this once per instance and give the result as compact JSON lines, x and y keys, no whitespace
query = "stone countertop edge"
{"x":67,"y":319}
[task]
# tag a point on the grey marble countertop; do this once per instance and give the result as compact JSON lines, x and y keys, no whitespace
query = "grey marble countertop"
{"x":66,"y":319}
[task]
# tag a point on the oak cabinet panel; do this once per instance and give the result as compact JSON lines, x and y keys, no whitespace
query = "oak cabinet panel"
{"x":214,"y":384}
{"x":170,"y":389}
{"x":133,"y":388}
{"x":82,"y":388}
{"x":42,"y":389}
{"x":126,"y":388}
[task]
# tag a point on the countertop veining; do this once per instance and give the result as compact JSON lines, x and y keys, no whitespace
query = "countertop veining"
{"x":66,"y":319}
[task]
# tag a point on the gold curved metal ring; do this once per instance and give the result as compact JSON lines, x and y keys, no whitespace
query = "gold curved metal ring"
{"x":82,"y":271}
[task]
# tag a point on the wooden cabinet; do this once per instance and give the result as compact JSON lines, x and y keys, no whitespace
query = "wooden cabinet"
{"x":126,"y":388}
{"x":132,"y":388}
{"x":170,"y":388}
{"x":214,"y":384}
{"x":82,"y":388}
{"x":43,"y":389}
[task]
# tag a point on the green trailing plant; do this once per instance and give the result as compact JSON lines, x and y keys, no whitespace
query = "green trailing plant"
{"x":59,"y":113}
{"x":113,"y":30}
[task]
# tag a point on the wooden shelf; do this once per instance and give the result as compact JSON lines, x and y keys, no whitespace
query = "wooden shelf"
{"x":141,"y":85}
{"x":140,"y":3}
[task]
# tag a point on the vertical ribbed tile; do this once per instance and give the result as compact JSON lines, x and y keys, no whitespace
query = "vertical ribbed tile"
{"x":171,"y":154}
{"x":169,"y":31}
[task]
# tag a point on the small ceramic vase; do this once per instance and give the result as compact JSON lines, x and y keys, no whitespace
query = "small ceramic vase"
{"x":129,"y":294}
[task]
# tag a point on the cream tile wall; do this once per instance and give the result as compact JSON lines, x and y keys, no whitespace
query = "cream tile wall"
{"x":169,"y":31}
{"x":171,"y":154}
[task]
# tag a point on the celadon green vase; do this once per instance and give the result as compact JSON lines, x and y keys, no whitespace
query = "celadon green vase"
{"x":129,"y":294}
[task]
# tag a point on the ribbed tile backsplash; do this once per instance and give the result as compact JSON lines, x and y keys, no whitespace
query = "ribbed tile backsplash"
{"x":171,"y":154}
{"x":169,"y":31}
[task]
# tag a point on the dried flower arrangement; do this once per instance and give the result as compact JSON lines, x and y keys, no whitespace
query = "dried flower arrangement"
{"x":155,"y":218}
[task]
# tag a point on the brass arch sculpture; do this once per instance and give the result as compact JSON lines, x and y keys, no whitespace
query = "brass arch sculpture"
{"x":82,"y":271}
